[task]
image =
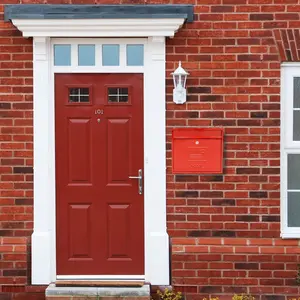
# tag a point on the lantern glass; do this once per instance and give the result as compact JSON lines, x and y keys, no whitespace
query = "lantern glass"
{"x":183,"y":79}
{"x":179,"y":80}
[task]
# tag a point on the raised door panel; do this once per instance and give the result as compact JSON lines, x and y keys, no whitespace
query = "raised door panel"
{"x":79,"y":151}
{"x":80,"y":224}
{"x":118,"y":232}
{"x":118,"y":151}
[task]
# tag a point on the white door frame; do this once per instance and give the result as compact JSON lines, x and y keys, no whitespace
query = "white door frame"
{"x":44,"y":235}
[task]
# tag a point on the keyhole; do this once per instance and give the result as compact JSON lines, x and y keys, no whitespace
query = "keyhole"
{"x":98,"y":120}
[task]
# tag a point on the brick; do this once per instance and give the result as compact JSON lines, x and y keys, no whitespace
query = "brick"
{"x":14,"y":273}
{"x":247,"y":266}
{"x":245,"y":281}
{"x":271,"y":281}
{"x":259,"y":114}
{"x":258,"y":194}
{"x":187,"y":178}
{"x":270,"y":218}
{"x":248,"y":218}
{"x":247,"y":171}
{"x":185,"y":114}
{"x":225,"y":202}
{"x":212,"y":114}
{"x":210,"y":289}
{"x":249,"y":57}
{"x":197,"y":90}
{"x":187,"y":194}
{"x":198,"y":233}
{"x":260,"y":273}
{"x":196,"y":249}
{"x":234,"y":273}
{"x":23,"y":170}
{"x":261,"y":17}
{"x":224,"y":122}
{"x":248,"y":122}
{"x":223,"y":233}
{"x":215,"y":194}
{"x":222,"y":8}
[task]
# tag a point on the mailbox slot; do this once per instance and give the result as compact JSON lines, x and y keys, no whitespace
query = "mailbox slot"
{"x":197,"y":150}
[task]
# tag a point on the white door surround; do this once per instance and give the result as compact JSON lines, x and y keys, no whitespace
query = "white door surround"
{"x":43,"y":31}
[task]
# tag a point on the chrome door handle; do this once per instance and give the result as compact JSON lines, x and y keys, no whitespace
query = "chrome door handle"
{"x":140,"y":180}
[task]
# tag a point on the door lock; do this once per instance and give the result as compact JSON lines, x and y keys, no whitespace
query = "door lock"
{"x":140,"y":180}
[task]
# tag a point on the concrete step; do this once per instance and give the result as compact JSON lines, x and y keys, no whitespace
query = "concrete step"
{"x":97,"y":293}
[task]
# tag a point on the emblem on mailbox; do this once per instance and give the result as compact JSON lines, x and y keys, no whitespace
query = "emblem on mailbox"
{"x":197,"y":150}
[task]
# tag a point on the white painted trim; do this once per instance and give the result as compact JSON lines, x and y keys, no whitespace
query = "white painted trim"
{"x":287,"y":145}
{"x":290,"y":235}
{"x":100,"y":277}
{"x":156,"y":237}
{"x":95,"y":70}
{"x":98,"y":27}
{"x":291,"y":64}
{"x":43,"y":248}
{"x":99,"y":41}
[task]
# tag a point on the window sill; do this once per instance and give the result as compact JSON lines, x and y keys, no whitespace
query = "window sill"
{"x":290,"y":235}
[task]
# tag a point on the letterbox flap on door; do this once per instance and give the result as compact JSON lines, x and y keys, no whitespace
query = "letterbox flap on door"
{"x":197,"y":150}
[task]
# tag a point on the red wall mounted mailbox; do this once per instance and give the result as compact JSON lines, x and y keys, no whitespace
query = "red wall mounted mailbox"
{"x":197,"y":150}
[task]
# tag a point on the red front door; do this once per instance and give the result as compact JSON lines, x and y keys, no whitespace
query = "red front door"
{"x":99,"y":144}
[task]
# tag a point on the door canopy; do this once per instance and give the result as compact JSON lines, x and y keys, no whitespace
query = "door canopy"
{"x":41,"y":20}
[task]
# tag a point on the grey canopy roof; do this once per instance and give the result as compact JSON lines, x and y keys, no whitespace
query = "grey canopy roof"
{"x":65,"y":11}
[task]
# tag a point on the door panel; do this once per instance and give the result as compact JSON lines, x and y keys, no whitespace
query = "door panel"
{"x":118,"y":231}
{"x":79,"y":146}
{"x":118,"y":149}
{"x":99,"y":144}
{"x":80,"y":238}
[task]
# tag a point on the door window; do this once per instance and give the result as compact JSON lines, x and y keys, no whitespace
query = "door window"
{"x":79,"y":95}
{"x":118,"y":95}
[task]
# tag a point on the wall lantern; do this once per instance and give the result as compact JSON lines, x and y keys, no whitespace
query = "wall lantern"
{"x":179,"y":91}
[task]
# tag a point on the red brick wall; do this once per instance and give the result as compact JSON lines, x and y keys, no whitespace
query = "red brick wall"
{"x":225,"y":228}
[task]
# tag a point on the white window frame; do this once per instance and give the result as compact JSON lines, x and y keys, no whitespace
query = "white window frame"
{"x":153,"y":33}
{"x":287,"y":145}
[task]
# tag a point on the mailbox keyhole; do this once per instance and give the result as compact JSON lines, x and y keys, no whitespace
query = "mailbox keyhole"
{"x":197,"y":142}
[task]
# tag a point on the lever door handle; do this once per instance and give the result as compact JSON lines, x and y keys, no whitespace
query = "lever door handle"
{"x":140,"y":180}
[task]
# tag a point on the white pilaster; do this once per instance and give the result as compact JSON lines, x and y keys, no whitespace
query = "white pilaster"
{"x":42,"y":252}
{"x":157,"y":240}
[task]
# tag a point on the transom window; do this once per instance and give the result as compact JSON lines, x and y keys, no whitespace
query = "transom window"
{"x":95,"y":55}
